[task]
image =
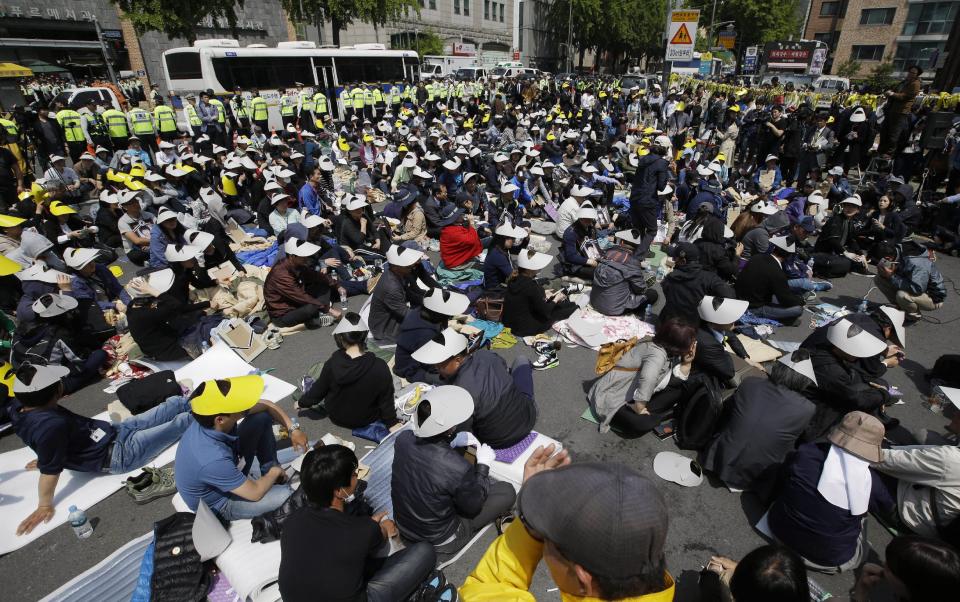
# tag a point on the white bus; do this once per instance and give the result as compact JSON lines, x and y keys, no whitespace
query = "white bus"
{"x":222,"y":66}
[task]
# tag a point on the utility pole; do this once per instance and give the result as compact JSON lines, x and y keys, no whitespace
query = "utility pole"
{"x":570,"y":36}
{"x":666,"y":39}
{"x":103,"y":49}
{"x":713,"y":19}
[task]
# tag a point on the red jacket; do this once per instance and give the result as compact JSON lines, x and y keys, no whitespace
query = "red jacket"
{"x":458,"y":245}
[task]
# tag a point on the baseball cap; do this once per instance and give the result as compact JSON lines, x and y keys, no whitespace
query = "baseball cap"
{"x":677,"y":468}
{"x":604,"y":516}
{"x":808,"y":224}
{"x":227,"y":396}
{"x":30,"y":378}
{"x":860,"y":434}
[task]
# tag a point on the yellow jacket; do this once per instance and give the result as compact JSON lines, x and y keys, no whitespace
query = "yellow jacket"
{"x":506,"y":570}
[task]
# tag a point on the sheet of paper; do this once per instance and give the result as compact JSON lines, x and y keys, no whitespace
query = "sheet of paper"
{"x":220,"y":361}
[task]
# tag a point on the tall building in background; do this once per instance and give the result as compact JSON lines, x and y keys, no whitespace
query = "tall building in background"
{"x":538,"y":44}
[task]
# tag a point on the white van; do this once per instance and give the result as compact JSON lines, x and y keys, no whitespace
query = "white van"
{"x":509,"y":72}
{"x":831,"y":84}
{"x":76,"y":98}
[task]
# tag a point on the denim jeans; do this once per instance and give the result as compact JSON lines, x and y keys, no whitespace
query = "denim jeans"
{"x":142,"y":438}
{"x":89,"y":373}
{"x":401,"y":574}
{"x":802,"y":285}
{"x":258,"y":449}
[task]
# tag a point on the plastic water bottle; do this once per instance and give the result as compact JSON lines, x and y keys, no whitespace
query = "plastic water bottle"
{"x":78,"y":520}
{"x":810,"y":267}
{"x":648,"y":314}
{"x":862,"y":308}
{"x":661,"y":273}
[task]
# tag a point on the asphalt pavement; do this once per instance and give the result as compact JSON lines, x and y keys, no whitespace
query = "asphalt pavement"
{"x":704,"y":521}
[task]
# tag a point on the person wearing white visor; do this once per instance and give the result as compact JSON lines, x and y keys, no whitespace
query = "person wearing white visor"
{"x":418,"y":327}
{"x":296,"y":292}
{"x":498,"y":265}
{"x":718,"y":316}
{"x":764,"y":283}
{"x":438,"y":496}
{"x":529,"y":309}
{"x":578,"y":251}
{"x":282,"y":214}
{"x":837,"y":239}
{"x":652,"y":176}
{"x":389,"y":301}
{"x":620,"y":283}
{"x":354,"y":386}
{"x":768,"y":177}
{"x":97,"y":290}
{"x":567,"y":213}
{"x":506,"y":411}
{"x":912,"y":282}
{"x":753,"y":441}
{"x":885,"y":322}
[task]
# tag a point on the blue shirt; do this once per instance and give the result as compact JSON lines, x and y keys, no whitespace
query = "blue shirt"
{"x":62,"y":439}
{"x":206,"y":467}
{"x":309,"y":199}
{"x":496,"y":268}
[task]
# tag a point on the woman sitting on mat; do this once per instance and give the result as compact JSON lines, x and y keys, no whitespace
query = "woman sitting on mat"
{"x":527,"y":308}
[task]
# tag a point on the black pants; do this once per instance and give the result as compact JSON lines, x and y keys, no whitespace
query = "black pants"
{"x":77,"y":149}
{"x":138,"y":256}
{"x":890,"y":133}
{"x":288,"y":120}
{"x":500,"y":499}
{"x":644,"y":218}
{"x":121,"y":143}
{"x":627,"y":422}
{"x":300,"y":315}
{"x":262,"y":124}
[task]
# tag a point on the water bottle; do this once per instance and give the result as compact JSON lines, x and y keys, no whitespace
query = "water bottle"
{"x":78,"y":520}
{"x":810,"y":268}
{"x":661,"y":273}
{"x":862,"y":308}
{"x":817,"y":593}
{"x":648,"y":314}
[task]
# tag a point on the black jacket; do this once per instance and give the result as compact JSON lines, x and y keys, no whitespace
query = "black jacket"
{"x":651,"y":177}
{"x":432,"y":486}
{"x":686,"y":286}
{"x":712,"y":359}
{"x":761,"y":279}
{"x":156,"y":325}
{"x":414,"y":333}
{"x":355,"y":391}
{"x":841,"y":387}
{"x":526,"y":310}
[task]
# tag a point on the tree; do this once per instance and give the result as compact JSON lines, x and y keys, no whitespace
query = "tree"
{"x":880,"y":77}
{"x":423,"y":43}
{"x":755,"y":21}
{"x":848,"y":68}
{"x":341,"y":13}
{"x":179,"y":18}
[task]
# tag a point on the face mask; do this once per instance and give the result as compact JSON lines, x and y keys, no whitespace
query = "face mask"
{"x":349,"y":498}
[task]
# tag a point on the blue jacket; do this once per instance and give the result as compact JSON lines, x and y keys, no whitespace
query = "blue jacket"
{"x":308,"y":199}
{"x":158,"y":245}
{"x":571,"y":249}
{"x":917,"y":275}
{"x":86,"y":288}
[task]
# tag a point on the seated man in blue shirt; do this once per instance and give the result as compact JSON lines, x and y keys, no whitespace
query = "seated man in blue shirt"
{"x":215,"y":458}
{"x":64,"y":440}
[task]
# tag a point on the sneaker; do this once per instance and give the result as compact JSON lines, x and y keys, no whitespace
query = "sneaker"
{"x":503,"y":521}
{"x":162,"y":485}
{"x":546,"y":361}
{"x":913,"y":317}
{"x":809,"y":296}
{"x":140,"y":481}
{"x":542,"y":347}
{"x":822,"y":286}
{"x":448,"y":594}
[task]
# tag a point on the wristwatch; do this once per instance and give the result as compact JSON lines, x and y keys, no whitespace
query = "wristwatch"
{"x":295,"y":426}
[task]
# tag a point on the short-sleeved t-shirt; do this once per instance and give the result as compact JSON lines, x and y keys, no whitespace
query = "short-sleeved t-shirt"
{"x":140,"y":227}
{"x":207,"y":467}
{"x":62,"y":439}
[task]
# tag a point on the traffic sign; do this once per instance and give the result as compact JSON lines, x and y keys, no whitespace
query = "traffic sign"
{"x":706,"y":63}
{"x":682,"y":34}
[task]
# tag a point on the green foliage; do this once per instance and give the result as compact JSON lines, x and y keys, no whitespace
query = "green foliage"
{"x":178,"y":18}
{"x":341,"y":13}
{"x":424,"y":43}
{"x":755,"y":21}
{"x":849,"y":68}
{"x":631,"y":28}
{"x":880,"y":77}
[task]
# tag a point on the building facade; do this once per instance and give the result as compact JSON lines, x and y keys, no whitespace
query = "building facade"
{"x":538,"y":44}
{"x":484,"y":27}
{"x":872,"y":31}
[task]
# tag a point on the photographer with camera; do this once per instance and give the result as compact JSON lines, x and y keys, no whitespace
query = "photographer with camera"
{"x":772,"y":127}
{"x":912,"y":282}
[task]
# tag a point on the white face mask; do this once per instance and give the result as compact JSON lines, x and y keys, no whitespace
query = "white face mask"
{"x":349,"y":498}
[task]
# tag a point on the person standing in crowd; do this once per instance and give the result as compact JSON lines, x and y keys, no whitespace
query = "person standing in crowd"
{"x":897,"y":110}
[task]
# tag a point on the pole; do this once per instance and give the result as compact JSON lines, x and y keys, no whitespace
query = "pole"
{"x":103,"y":49}
{"x":713,"y":19}
{"x":666,"y":39}
{"x":570,"y":37}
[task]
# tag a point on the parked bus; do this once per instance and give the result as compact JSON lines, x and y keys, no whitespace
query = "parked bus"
{"x":222,"y":65}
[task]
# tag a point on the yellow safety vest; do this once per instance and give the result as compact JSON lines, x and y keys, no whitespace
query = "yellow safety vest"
{"x":166,"y":119}
{"x":192,"y":117}
{"x":221,"y":110}
{"x":377,"y":95}
{"x":320,"y":103}
{"x":240,"y":108}
{"x":70,"y":121}
{"x":228,"y":186}
{"x":288,"y":105}
{"x":357,"y":95}
{"x":429,"y":92}
{"x":306,"y":102}
{"x":259,"y":106}
{"x":395,"y":95}
{"x":459,"y":90}
{"x":117,"y":123}
{"x":368,"y":97}
{"x":345,"y":96}
{"x":11,"y":127}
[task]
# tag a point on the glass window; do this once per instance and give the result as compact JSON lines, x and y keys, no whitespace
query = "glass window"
{"x":362,"y":69}
{"x":433,"y":4}
{"x":921,"y":53}
{"x":931,"y":18}
{"x":877,"y":16}
{"x":866,"y":53}
{"x":262,"y":72}
{"x":829,"y":9}
{"x":184,"y":65}
{"x":486,"y":9}
{"x":456,"y":7}
{"x":829,"y":38}
{"x":466,"y":8}
{"x":501,"y":13}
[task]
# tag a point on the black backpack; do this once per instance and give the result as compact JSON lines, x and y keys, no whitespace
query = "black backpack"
{"x":148,"y":392}
{"x":697,"y":412}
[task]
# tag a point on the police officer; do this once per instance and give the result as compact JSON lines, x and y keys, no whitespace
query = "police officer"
{"x":71,"y":123}
{"x":221,"y":133}
{"x":164,"y":122}
{"x":155,"y":97}
{"x":368,"y":102}
{"x":117,"y":127}
{"x":192,"y":115}
{"x":240,"y":107}
{"x":305,"y":108}
{"x":321,"y":107}
{"x":94,"y":127}
{"x":378,"y":102}
{"x":258,"y":112}
{"x":288,"y":108}
{"x":346,"y":100}
{"x":357,"y":98}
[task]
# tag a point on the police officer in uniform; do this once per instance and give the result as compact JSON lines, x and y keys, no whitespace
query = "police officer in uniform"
{"x":288,"y":108}
{"x":305,"y":108}
{"x":258,"y":110}
{"x":155,"y":97}
{"x":117,"y":127}
{"x":194,"y":121}
{"x":220,"y":136}
{"x":357,"y":97}
{"x":346,"y":100}
{"x":321,"y":107}
{"x":94,"y":127}
{"x":164,"y":122}
{"x":70,"y":121}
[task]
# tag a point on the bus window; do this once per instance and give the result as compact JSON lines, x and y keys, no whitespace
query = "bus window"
{"x":261,"y":72}
{"x":363,"y":69}
{"x":183,"y":65}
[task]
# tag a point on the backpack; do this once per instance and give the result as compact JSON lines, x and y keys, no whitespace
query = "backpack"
{"x":610,"y":353}
{"x":148,"y":392}
{"x":697,"y":413}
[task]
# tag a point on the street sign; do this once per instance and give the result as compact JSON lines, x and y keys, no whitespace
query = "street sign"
{"x":682,"y":34}
{"x":749,"y":64}
{"x":706,"y":62}
{"x":516,"y":55}
{"x":752,"y":51}
{"x":728,"y":39}
{"x":818,"y":61}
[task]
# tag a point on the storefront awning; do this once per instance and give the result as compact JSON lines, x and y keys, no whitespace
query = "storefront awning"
{"x":44,"y":67}
{"x":14,"y":70}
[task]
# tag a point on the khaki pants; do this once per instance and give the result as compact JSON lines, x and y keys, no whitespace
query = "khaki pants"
{"x":904,"y":300}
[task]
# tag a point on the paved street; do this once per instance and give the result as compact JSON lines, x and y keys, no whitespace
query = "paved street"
{"x":704,"y":521}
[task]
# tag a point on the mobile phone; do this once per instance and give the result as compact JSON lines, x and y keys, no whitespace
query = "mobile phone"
{"x":665,"y":430}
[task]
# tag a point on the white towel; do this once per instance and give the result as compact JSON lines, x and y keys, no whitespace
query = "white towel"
{"x":845,"y":481}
